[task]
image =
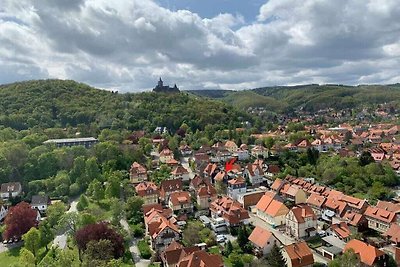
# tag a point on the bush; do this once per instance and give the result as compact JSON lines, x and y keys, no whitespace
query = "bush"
{"x":144,"y":249}
{"x":74,"y":189}
{"x":137,"y":230}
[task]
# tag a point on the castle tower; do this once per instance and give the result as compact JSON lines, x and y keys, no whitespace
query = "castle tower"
{"x":160,"y":83}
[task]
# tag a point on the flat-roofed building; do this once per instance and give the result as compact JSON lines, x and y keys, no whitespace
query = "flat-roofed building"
{"x":85,"y":141}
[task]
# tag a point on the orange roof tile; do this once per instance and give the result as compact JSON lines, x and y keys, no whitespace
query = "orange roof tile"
{"x":380,"y":214}
{"x":368,"y":253}
{"x":300,"y":254}
{"x":260,"y":236}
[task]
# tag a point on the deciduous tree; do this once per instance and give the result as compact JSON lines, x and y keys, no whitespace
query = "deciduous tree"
{"x":100,"y":231}
{"x":19,"y":220}
{"x":32,"y":240}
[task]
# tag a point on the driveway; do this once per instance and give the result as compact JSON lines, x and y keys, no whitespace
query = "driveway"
{"x":133,"y":248}
{"x":61,"y":240}
{"x":6,"y":247}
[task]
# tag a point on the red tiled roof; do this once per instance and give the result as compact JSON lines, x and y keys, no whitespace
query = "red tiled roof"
{"x":269,"y":205}
{"x":146,"y":189}
{"x":380,"y":214}
{"x":353,"y":218}
{"x":220,"y":176}
{"x":393,"y":233}
{"x":389,"y":206}
{"x":276,"y":184}
{"x":180,"y":198}
{"x":260,"y":236}
{"x":300,"y":254}
{"x":179,"y":170}
{"x":137,"y":169}
{"x":230,"y":210}
{"x":341,"y":229}
{"x":301,"y":212}
{"x":316,"y":200}
{"x":237,"y":181}
{"x":368,"y":253}
{"x":201,"y":259}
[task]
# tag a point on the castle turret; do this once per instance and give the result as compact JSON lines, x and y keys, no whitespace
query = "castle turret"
{"x":160,"y":83}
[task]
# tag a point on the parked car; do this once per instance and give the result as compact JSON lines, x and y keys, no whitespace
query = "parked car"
{"x":322,"y":233}
{"x":221,"y":238}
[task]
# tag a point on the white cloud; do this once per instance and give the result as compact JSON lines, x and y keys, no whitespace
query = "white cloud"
{"x":129,"y":43}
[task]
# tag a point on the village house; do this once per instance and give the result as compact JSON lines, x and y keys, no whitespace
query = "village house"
{"x":180,"y":202}
{"x":262,"y":241}
{"x":204,"y":192}
{"x":174,"y":252}
{"x":242,"y":153}
{"x":169,"y":186}
{"x":40,"y":203}
{"x":221,"y":176}
{"x":175,"y":255}
{"x":271,"y":210}
{"x":230,"y":210}
{"x":185,"y":150}
{"x":298,"y":255}
{"x":390,"y":206}
{"x":303,"y":145}
{"x":201,"y":259}
{"x":293,"y":193}
{"x":180,"y":173}
{"x":333,"y":208}
{"x":236,"y":187}
{"x":9,"y":190}
{"x":162,"y":232}
{"x":379,"y":219}
{"x":369,"y":255}
{"x":254,"y":173}
{"x":259,"y":151}
{"x":393,"y":234}
{"x":340,"y":230}
{"x":166,"y":155}
{"x":272,"y":170}
{"x":210,"y":170}
{"x":137,"y":173}
{"x":355,"y":221}
{"x":315,"y":201}
{"x":231,"y":146}
{"x":148,"y":191}
{"x":301,"y":222}
{"x":355,"y":204}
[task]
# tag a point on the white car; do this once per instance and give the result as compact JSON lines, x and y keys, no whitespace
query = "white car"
{"x":221,"y":238}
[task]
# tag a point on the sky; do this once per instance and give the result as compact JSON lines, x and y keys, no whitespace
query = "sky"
{"x":127,"y":45}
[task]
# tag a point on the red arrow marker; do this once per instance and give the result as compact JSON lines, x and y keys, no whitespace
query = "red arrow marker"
{"x":229,"y":165}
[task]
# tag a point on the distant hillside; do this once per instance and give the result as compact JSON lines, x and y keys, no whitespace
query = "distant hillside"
{"x":59,"y":103}
{"x":311,"y":97}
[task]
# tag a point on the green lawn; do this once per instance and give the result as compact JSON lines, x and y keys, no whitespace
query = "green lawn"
{"x":214,"y":250}
{"x":9,"y":257}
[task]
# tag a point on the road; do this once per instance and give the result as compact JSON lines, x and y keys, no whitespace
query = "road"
{"x":282,"y":237}
{"x":139,"y":262}
{"x":61,"y":240}
{"x":6,"y":247}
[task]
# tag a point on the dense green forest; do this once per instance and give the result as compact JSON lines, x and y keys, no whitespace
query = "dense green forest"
{"x":311,"y":97}
{"x":58,"y":103}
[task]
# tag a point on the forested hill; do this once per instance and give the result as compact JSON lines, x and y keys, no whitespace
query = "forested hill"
{"x":311,"y":97}
{"x":62,"y":103}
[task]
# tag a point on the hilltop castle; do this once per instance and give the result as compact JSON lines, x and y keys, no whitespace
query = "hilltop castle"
{"x":161,"y":88}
